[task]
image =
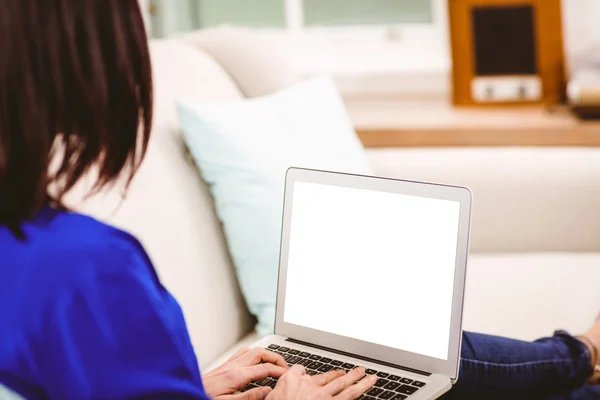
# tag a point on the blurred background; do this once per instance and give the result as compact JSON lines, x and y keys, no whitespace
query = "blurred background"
{"x":502,"y":96}
{"x":398,"y":48}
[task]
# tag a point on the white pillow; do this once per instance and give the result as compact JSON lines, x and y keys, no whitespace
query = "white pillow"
{"x":243,"y":149}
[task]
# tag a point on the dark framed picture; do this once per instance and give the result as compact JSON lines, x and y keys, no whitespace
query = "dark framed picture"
{"x":507,"y":52}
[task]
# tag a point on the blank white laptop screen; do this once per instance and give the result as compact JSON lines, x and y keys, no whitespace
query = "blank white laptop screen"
{"x":373,"y":266}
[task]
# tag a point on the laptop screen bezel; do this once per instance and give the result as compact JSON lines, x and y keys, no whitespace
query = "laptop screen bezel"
{"x":463,"y":195}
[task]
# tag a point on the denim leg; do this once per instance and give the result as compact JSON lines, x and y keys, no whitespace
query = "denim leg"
{"x":495,"y":367}
{"x":582,"y":393}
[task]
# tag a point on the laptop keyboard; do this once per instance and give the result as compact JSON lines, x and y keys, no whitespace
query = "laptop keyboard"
{"x":388,"y":387}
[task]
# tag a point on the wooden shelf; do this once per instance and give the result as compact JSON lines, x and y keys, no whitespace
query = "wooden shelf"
{"x":388,"y":123}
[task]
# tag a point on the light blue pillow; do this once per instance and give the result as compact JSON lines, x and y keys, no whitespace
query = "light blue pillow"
{"x":243,"y":149}
{"x":6,"y":394}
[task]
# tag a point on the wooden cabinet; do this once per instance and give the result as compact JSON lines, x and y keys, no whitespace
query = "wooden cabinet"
{"x":437,"y":124}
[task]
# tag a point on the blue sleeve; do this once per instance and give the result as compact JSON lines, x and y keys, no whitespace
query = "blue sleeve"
{"x":118,"y":335}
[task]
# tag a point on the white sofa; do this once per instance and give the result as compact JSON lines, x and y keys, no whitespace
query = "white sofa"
{"x":535,"y":261}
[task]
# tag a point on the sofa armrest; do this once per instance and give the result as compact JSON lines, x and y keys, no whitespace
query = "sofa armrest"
{"x":525,"y":199}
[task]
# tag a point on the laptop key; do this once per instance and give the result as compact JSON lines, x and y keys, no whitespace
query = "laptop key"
{"x":405,"y":389}
{"x":325,"y":368}
{"x":306,"y":362}
{"x":386,"y":395}
{"x":381,"y":382}
{"x":336,"y":363}
{"x":375,"y":392}
{"x":250,"y":386}
{"x":263,"y":382}
{"x":287,"y":356}
{"x":315,"y":365}
{"x":326,"y":360}
{"x":294,"y":360}
{"x":393,"y":378}
{"x":272,"y":384}
{"x":406,"y":380}
{"x":315,"y":357}
{"x":347,"y":366}
{"x":399,"y":396}
{"x":312,"y":372}
{"x":383,"y":374}
{"x":294,"y":352}
{"x":392,"y":386}
{"x":418,"y":384}
{"x":370,"y":372}
{"x":284,"y":349}
{"x":304,"y":354}
{"x":273,"y":346}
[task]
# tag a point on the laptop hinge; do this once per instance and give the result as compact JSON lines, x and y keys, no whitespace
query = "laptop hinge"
{"x":371,"y":360}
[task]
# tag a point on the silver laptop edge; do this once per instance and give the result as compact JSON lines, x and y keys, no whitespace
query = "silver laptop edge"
{"x":437,"y":372}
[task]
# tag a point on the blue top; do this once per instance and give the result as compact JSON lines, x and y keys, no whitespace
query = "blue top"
{"x":83,"y":315}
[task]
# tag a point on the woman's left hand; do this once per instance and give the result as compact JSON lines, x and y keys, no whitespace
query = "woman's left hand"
{"x":245,"y":366}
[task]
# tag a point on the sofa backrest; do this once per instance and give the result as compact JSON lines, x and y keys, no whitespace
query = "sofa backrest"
{"x":526,"y":200}
{"x":258,"y":64}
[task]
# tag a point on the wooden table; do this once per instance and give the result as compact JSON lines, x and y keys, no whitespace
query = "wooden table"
{"x":384,"y":123}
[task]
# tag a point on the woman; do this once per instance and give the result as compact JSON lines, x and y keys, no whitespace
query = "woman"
{"x":82,"y":312}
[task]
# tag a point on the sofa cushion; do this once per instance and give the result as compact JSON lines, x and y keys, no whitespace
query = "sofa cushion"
{"x":528,"y":296}
{"x":244,"y":149}
{"x":523,"y":296}
{"x":252,"y":60}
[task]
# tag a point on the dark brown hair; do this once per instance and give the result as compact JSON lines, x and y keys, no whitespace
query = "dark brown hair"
{"x":75,"y":86}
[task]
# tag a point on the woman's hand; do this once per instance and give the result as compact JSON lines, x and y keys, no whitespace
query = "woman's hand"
{"x":245,"y":366}
{"x":338,"y":385}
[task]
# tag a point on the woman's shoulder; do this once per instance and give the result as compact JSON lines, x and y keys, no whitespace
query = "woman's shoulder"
{"x":69,"y":234}
{"x":64,"y":248}
{"x":85,"y":230}
{"x":65,"y":258}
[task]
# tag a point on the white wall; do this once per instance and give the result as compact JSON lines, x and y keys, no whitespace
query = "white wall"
{"x":581,"y":21}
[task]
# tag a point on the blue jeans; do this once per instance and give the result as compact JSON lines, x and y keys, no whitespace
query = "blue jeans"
{"x":552,"y":368}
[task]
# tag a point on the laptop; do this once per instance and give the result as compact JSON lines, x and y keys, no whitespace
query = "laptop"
{"x":372,"y":273}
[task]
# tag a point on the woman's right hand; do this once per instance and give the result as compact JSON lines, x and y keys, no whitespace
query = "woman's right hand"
{"x":339,"y":385}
